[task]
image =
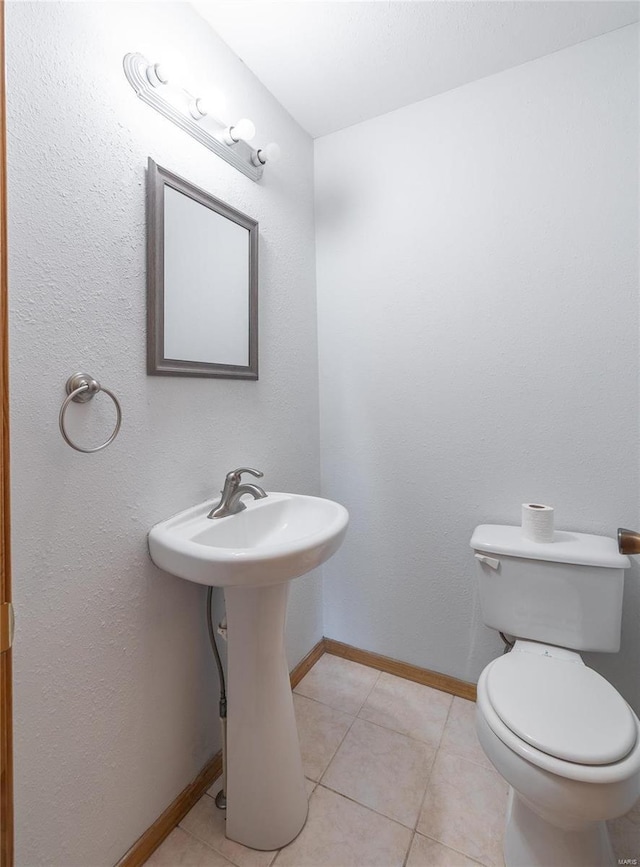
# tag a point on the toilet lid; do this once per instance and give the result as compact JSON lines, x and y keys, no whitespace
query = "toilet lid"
{"x":562,"y":708}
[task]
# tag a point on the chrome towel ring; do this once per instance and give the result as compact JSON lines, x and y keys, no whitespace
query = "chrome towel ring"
{"x":81,"y":387}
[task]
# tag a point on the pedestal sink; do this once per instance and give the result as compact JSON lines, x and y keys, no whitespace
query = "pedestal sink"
{"x":254,"y":555}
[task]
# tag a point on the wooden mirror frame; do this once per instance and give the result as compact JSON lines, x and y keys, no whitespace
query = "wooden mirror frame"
{"x":157,"y":365}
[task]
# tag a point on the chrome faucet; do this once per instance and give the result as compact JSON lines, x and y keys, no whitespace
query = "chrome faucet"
{"x":230,"y":502}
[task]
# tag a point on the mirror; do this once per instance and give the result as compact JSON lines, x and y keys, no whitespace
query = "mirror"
{"x":202,"y":282}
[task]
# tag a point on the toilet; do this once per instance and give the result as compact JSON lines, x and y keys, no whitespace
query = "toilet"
{"x":558,"y":732}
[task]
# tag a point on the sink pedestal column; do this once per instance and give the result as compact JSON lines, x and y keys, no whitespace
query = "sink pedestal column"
{"x":266,"y":796}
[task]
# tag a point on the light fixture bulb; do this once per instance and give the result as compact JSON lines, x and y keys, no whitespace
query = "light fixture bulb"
{"x":268,"y":154}
{"x":272,"y":152}
{"x":157,"y":75}
{"x":244,"y":129}
{"x":199,"y":107}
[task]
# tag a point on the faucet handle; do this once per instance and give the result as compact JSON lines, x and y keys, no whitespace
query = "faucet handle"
{"x":236,"y":474}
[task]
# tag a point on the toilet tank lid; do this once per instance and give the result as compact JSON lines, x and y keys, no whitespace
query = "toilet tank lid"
{"x":580,"y":549}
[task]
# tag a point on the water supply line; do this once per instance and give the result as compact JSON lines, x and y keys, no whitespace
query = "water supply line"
{"x":221,"y":797}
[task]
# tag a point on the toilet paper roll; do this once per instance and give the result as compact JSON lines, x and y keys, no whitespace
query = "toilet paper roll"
{"x":537,"y":522}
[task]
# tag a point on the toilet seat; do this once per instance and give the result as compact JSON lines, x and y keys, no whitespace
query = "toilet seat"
{"x":561,"y":707}
{"x":602,"y":774}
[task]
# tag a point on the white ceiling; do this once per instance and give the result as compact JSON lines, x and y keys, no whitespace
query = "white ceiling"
{"x":333,"y":64}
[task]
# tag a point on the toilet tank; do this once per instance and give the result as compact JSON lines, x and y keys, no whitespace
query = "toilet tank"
{"x":567,"y":592}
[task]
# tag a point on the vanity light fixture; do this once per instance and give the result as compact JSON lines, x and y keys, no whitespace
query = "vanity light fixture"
{"x":198,"y":116}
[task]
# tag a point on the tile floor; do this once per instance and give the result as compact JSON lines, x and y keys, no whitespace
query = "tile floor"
{"x":396,"y":778}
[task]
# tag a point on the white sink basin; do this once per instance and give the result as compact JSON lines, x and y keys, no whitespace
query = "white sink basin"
{"x":273,"y":540}
{"x":253,"y":555}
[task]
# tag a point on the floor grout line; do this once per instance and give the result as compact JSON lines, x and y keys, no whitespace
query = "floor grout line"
{"x":429,"y":775}
{"x":446,"y":722}
{"x":453,"y":849}
{"x":406,"y":854}
{"x":323,"y":703}
{"x":282,"y":848}
{"x":333,"y":706}
{"x":279,"y":851}
{"x":333,"y":755}
{"x":367,"y":807}
{"x":373,"y":686}
{"x":208,"y":845}
{"x":402,"y":734}
{"x":452,"y":752}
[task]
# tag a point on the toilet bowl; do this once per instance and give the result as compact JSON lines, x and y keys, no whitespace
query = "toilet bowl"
{"x":569,"y":747}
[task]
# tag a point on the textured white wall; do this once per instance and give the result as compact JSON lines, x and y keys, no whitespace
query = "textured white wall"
{"x":478,"y":328}
{"x":115,"y":688}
